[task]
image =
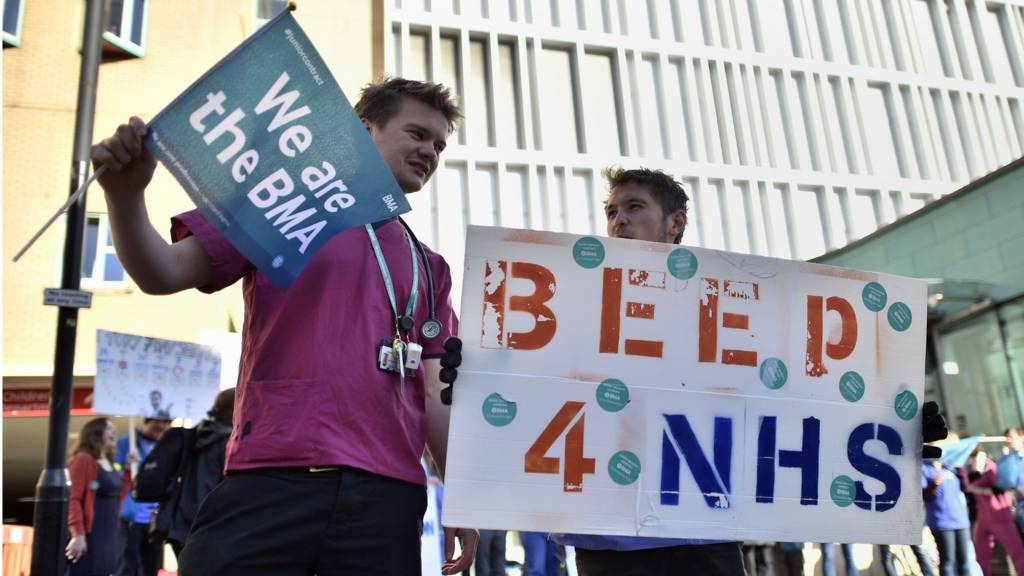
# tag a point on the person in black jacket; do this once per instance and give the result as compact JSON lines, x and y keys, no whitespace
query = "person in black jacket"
{"x":204,"y":467}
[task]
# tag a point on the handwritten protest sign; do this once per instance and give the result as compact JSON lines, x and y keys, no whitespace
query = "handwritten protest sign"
{"x":620,"y":387}
{"x":272,"y":153}
{"x":154,"y":378}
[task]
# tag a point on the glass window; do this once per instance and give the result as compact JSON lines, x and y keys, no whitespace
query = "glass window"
{"x":14,"y":11}
{"x":807,"y":208}
{"x":138,"y":12}
{"x":1012,"y":317}
{"x":100,"y":266}
{"x":92,"y":231}
{"x":558,"y":115}
{"x":115,"y":13}
{"x":600,"y":109}
{"x":125,"y":32}
{"x":981,"y":396}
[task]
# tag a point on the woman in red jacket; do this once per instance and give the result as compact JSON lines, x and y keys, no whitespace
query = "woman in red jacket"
{"x":95,"y":496}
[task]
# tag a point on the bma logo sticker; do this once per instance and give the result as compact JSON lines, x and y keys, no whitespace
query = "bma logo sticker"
{"x":851,"y":386}
{"x":774,"y":373}
{"x":899,"y":316}
{"x":612,"y":395}
{"x":843,"y":490}
{"x":682,"y":263}
{"x":498,"y":411}
{"x":906,"y":405}
{"x":588,"y":252}
{"x":874,"y":296}
{"x":624,"y":467}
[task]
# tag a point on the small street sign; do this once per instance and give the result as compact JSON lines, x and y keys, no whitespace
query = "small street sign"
{"x":67,"y":298}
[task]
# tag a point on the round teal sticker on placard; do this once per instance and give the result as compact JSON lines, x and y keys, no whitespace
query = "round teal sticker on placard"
{"x":624,"y":467}
{"x":773,"y":373}
{"x":906,"y":405}
{"x":612,"y":395}
{"x":843,"y":490}
{"x":899,"y":316}
{"x":874,"y":296}
{"x":682,"y":263}
{"x":851,"y":386}
{"x":588,"y":252}
{"x":498,"y":411}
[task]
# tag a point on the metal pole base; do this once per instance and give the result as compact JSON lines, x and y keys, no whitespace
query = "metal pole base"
{"x":51,"y":511}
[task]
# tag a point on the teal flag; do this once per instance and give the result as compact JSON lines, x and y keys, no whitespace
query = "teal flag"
{"x":272,"y":153}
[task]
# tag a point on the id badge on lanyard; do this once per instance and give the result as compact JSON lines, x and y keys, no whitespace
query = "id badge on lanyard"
{"x":397,"y":354}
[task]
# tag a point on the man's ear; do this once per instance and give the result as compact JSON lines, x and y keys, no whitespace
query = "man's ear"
{"x":368,"y":125}
{"x":676,"y":224}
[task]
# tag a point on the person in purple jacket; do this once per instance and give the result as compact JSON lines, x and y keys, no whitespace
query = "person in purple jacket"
{"x":945,"y":509}
{"x":323,"y":463}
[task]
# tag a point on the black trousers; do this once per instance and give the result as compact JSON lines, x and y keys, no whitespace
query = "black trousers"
{"x":490,"y":553}
{"x":725,"y":559}
{"x":285,"y":522}
{"x":139,"y":556}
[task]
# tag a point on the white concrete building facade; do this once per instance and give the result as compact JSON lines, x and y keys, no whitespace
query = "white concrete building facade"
{"x":796,"y":126}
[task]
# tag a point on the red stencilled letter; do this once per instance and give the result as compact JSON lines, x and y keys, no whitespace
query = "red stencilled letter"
{"x":815,"y":328}
{"x":611,"y":312}
{"x":707,"y":337}
{"x":815,"y":367}
{"x":707,"y":326}
{"x":611,"y":303}
{"x":492,"y":322}
{"x":544,"y":319}
{"x":848,"y":339}
{"x":741,"y":291}
{"x":576,"y":465}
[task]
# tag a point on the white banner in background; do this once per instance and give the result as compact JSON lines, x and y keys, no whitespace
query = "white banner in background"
{"x":629,"y":388}
{"x":154,"y":378}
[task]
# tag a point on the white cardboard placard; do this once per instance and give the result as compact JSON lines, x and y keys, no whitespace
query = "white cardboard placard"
{"x":629,"y":388}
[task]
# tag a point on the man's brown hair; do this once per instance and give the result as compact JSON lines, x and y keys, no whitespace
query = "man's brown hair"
{"x":380,"y":101}
{"x":665,"y":190}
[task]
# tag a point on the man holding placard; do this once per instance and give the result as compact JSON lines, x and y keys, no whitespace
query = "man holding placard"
{"x":333,"y":409}
{"x":649,"y":205}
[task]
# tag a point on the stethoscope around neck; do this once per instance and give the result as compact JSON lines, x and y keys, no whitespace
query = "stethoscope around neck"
{"x":431,"y":328}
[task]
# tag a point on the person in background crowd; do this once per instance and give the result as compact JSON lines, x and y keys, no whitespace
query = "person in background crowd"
{"x":1010,"y":469}
{"x":924,"y":561}
{"x":204,"y":468}
{"x":945,"y":511}
{"x":792,"y":558}
{"x":139,"y":556}
{"x":96,"y":489}
{"x":759,"y":558}
{"x":543,"y":556}
{"x":995,"y":514}
{"x":490,"y":553}
{"x":828,"y":559}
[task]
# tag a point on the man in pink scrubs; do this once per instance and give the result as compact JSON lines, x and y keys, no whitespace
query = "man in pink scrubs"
{"x":323,"y":464}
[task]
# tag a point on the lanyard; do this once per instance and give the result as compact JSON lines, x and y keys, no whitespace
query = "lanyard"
{"x":410,"y":306}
